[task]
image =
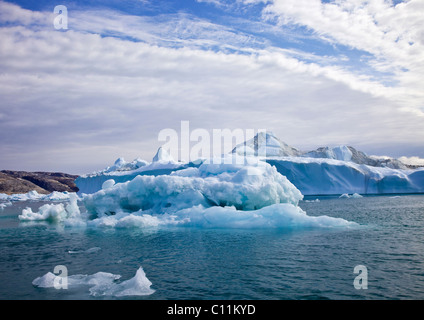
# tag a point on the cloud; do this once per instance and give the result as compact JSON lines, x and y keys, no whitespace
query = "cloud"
{"x":76,"y":100}
{"x":392,"y":34}
{"x":415,"y":161}
{"x":214,"y":2}
{"x":11,"y":13}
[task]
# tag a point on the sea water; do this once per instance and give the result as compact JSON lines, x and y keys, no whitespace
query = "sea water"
{"x":216,"y":263}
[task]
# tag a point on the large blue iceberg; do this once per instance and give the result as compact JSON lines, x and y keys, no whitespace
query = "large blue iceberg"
{"x":227,"y":192}
{"x":325,"y":171}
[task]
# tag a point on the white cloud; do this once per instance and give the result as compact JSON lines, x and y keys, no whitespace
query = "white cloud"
{"x":215,"y":2}
{"x":13,"y":13}
{"x":393,"y":34}
{"x":415,"y":161}
{"x":75,"y":98}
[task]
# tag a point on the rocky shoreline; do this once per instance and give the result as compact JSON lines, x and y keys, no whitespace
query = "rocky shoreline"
{"x":12,"y":182}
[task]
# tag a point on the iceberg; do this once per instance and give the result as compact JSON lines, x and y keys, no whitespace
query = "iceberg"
{"x":282,"y":215}
{"x":35,"y":196}
{"x":54,"y":212}
{"x":122,"y":171}
{"x":258,"y":185}
{"x":227,"y":192}
{"x":335,"y":170}
{"x":324,"y":171}
{"x":5,"y":204}
{"x":102,"y":283}
{"x":268,"y":146}
{"x":319,"y":176}
{"x":208,"y":185}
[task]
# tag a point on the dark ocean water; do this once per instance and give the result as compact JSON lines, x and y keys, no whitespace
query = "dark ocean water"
{"x":194,"y":263}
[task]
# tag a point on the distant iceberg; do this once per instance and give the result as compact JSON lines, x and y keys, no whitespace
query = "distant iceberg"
{"x":324,"y":171}
{"x":335,"y":170}
{"x":265,"y":144}
{"x":268,"y":146}
{"x":35,"y":196}
{"x":353,"y":196}
{"x":122,"y":171}
{"x":319,"y":176}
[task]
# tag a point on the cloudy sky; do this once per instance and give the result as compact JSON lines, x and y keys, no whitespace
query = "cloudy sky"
{"x":313,"y":72}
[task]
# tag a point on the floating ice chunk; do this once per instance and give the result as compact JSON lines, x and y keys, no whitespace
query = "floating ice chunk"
{"x":91,"y":250}
{"x":31,"y":195}
{"x":137,"y":220}
{"x":49,"y":212}
{"x":56,"y":196}
{"x":53,"y":212}
{"x":102,"y":283}
{"x":98,"y":279}
{"x":46,"y":281}
{"x":139,"y":285}
{"x":5,"y":204}
{"x":35,"y":196}
{"x":356,"y":196}
{"x":283,"y":215}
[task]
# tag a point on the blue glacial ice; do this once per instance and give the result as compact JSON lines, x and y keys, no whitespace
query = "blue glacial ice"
{"x":314,"y":176}
{"x":325,"y":171}
{"x":262,"y":189}
{"x":218,"y":193}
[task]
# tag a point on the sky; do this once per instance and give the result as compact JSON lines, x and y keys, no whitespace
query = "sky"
{"x":315,"y":73}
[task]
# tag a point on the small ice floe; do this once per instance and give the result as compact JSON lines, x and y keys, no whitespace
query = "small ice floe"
{"x":5,"y":204}
{"x":354,"y":196}
{"x":91,"y":250}
{"x":35,"y":196}
{"x":53,"y":212}
{"x":100,"y":283}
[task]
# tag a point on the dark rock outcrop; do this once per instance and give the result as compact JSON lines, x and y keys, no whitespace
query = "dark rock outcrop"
{"x":43,"y":182}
